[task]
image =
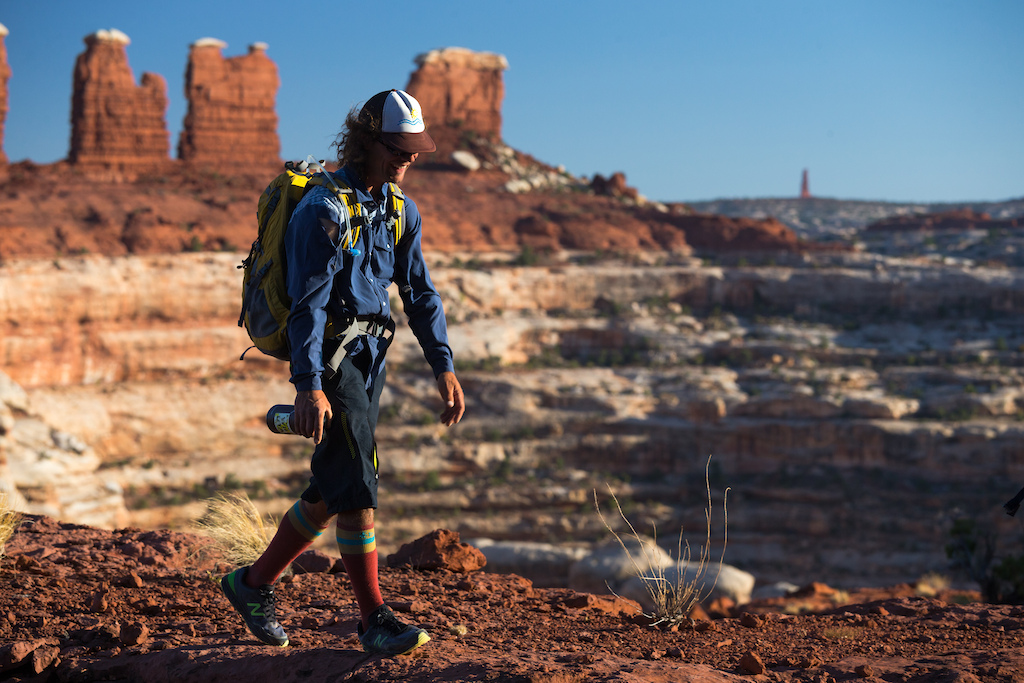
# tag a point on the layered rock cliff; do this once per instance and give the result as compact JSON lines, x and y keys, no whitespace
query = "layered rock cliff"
{"x":461,"y":92}
{"x":116,"y":126}
{"x":961,"y":220}
{"x":852,"y":404}
{"x":230,"y":106}
{"x":5,"y":75}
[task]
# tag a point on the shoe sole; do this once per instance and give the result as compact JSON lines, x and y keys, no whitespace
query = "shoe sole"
{"x":240,"y":608}
{"x":421,"y":638}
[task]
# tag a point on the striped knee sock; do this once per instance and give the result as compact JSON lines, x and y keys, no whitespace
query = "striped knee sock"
{"x":295,"y":534}
{"x":359,"y":555}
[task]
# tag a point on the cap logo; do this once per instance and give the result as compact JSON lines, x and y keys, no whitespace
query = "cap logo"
{"x":414,"y":119}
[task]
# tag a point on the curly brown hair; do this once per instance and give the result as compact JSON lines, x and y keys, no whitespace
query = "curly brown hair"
{"x":353,"y":142}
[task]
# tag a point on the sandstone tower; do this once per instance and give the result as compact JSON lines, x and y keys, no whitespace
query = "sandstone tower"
{"x":805,"y":187}
{"x":231,"y":116}
{"x":461,"y":91}
{"x":5,"y":75}
{"x":116,"y":125}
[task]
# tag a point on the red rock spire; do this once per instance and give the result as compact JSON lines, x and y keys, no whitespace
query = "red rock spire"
{"x":5,"y":75}
{"x":116,"y":125}
{"x":805,"y":187}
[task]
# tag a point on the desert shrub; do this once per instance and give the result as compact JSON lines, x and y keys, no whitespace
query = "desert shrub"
{"x":236,"y":528}
{"x":527,"y":257}
{"x":972,"y":550}
{"x":10,"y":519}
{"x":673,"y":599}
{"x":931,"y":584}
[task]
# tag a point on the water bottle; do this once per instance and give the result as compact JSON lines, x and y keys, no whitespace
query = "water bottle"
{"x":281,"y":419}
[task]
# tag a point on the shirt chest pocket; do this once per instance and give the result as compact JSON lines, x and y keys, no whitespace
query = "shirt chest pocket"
{"x":383,"y":254}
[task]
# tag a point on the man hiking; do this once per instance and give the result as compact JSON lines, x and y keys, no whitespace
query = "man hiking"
{"x":339,"y":269}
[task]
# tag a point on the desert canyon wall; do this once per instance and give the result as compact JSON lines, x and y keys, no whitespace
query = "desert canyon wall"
{"x":461,"y":92}
{"x":116,"y":125}
{"x":5,"y":75}
{"x":827,"y":416}
{"x":231,"y":104}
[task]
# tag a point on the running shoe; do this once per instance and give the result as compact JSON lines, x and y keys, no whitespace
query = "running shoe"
{"x":388,"y":636}
{"x":256,"y":605}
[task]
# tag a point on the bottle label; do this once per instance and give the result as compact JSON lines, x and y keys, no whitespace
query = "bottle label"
{"x":282,"y":423}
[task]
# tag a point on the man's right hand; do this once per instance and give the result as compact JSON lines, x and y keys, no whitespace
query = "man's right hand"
{"x":313,"y":414}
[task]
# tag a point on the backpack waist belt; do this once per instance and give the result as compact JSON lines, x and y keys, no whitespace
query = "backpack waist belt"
{"x":371,"y":326}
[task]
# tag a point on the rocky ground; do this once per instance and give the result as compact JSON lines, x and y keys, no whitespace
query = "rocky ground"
{"x":83,"y":604}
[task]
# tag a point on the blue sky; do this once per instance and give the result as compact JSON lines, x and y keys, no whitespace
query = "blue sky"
{"x":909,"y":100}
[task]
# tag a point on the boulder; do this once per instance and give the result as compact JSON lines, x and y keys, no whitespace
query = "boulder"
{"x":545,"y":564}
{"x":466,"y":160}
{"x":314,"y":561}
{"x":440,"y":549}
{"x":609,"y":566}
{"x":711,"y":582}
{"x":774,"y":590}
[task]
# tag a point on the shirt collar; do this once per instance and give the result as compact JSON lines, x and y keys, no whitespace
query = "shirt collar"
{"x":355,"y":181}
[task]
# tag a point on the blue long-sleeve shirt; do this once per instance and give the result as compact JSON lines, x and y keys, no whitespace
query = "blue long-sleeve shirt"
{"x":327,"y":278}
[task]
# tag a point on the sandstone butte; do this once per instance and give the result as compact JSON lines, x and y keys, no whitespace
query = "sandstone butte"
{"x":230,"y":106}
{"x":461,"y":91}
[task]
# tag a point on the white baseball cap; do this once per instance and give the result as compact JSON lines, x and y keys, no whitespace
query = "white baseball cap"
{"x":401,"y":121}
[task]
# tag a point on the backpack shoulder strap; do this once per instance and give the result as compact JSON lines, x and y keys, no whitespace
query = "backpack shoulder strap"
{"x":396,"y":212}
{"x":354,"y":219}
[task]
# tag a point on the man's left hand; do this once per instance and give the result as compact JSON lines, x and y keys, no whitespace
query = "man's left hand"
{"x":454,"y":400}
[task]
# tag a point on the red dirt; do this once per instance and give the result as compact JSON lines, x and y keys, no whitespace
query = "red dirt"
{"x":83,"y":604}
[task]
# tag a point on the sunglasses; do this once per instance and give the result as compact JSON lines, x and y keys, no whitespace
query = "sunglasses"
{"x":396,"y":152}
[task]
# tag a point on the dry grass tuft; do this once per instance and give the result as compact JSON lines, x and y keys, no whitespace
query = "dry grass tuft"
{"x":673,"y":599}
{"x":236,"y":529}
{"x":10,"y":519}
{"x":931,"y":584}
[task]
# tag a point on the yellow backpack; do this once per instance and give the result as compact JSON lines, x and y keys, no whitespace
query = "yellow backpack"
{"x":265,"y":301}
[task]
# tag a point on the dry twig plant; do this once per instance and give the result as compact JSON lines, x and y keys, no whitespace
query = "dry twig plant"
{"x":673,"y":598}
{"x":9,"y":521}
{"x":236,"y":528}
